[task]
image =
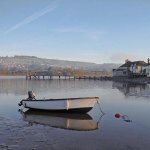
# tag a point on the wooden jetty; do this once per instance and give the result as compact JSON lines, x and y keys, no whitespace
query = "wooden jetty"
{"x":60,"y":77}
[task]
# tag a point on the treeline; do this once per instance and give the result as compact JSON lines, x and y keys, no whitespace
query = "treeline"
{"x":76,"y":72}
{"x":9,"y":73}
{"x":56,"y":71}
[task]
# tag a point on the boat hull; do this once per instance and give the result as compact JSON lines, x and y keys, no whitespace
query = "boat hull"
{"x":75,"y":110}
{"x":66,"y":105}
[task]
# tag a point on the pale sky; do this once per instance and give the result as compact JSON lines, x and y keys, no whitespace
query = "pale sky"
{"x":100,"y":31}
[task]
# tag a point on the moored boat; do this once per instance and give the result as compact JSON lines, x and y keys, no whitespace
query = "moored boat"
{"x":81,"y":104}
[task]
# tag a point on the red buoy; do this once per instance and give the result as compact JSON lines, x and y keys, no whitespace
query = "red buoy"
{"x":117,"y":115}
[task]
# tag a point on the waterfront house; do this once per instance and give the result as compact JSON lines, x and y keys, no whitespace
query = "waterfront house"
{"x":147,"y":68}
{"x":131,"y":68}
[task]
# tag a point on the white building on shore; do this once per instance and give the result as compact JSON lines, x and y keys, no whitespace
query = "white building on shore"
{"x":132,"y":68}
{"x":147,"y":68}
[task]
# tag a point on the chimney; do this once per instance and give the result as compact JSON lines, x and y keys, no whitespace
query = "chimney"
{"x":148,"y":61}
{"x":127,"y":60}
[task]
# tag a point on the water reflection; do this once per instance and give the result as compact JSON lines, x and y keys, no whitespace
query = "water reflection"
{"x":112,"y":134}
{"x":15,"y":86}
{"x":130,"y":89}
{"x":20,"y":86}
{"x":69,"y":121}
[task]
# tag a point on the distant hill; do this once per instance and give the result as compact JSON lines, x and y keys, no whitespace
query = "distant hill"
{"x":32,"y":62}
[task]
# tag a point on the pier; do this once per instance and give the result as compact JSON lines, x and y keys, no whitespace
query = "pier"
{"x":60,"y":77}
{"x":133,"y":79}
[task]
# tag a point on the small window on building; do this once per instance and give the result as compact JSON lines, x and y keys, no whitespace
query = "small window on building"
{"x":124,"y":72}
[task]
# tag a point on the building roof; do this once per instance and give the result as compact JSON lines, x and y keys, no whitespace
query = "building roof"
{"x":138,"y":63}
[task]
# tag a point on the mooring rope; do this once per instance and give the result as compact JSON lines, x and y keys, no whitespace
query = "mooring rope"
{"x":100,"y":108}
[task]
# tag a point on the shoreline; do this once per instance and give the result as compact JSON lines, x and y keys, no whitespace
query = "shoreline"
{"x":138,"y":80}
{"x":141,"y":80}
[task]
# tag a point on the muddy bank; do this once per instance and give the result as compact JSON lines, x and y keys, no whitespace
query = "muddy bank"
{"x":19,"y":135}
{"x":16,"y":134}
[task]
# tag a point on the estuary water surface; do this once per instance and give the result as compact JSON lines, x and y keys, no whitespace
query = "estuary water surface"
{"x":94,"y":131}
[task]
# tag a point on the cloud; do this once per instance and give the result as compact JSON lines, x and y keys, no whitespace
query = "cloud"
{"x":77,"y":30}
{"x":88,"y":33}
{"x":34,"y":16}
{"x":70,"y":30}
{"x":122,"y":56}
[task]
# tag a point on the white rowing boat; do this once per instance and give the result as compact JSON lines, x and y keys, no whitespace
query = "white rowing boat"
{"x":69,"y":121}
{"x":83,"y":104}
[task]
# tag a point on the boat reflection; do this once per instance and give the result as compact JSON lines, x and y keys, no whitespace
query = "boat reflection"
{"x":69,"y":121}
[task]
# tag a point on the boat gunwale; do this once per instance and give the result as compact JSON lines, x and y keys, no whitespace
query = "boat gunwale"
{"x":60,"y":99}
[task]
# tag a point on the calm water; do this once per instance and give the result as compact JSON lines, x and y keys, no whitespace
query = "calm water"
{"x":34,"y":130}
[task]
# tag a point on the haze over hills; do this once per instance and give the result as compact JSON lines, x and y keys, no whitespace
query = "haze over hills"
{"x":32,"y":62}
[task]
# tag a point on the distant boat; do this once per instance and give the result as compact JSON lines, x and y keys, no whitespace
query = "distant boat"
{"x":83,"y":104}
{"x":69,"y":121}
